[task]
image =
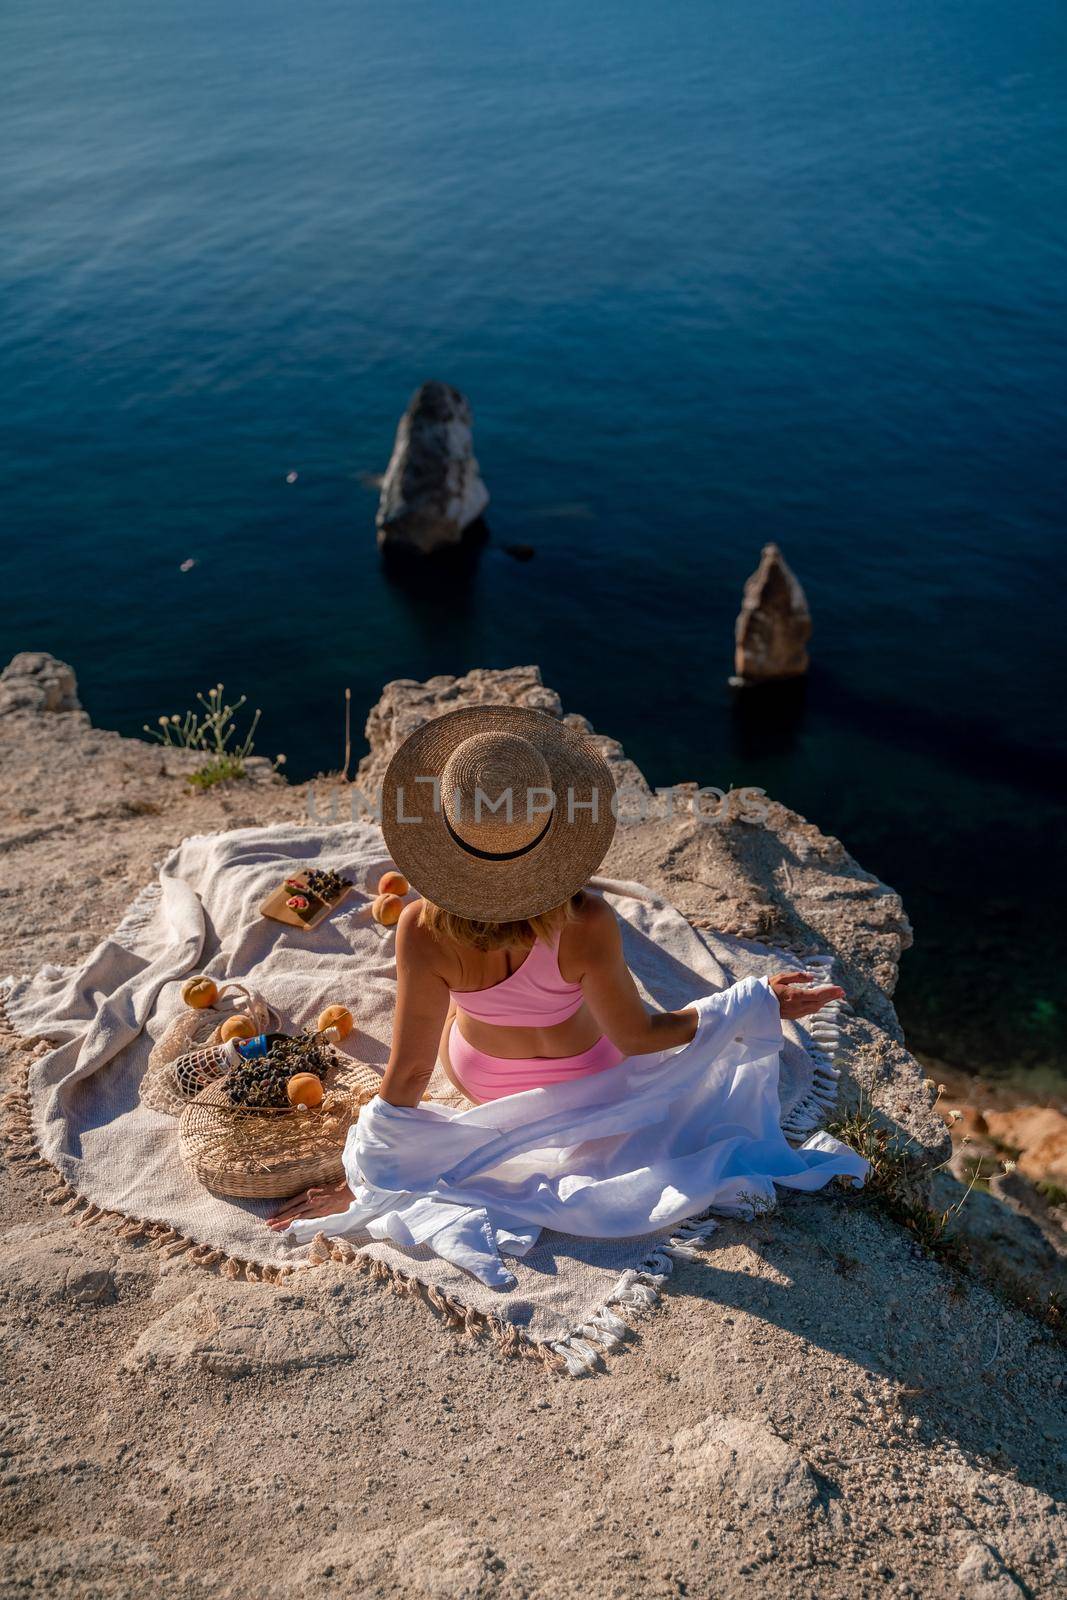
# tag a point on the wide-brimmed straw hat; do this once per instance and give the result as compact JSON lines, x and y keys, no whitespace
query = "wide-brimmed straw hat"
{"x":497,"y":813}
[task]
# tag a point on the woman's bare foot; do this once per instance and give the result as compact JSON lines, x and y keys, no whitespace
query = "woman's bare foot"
{"x":312,"y":1203}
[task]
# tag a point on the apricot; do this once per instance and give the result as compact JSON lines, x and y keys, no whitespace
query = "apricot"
{"x":393,"y":883}
{"x":200,"y":993}
{"x":304,"y":1089}
{"x":237,"y":1028}
{"x":336,"y":1022}
{"x":386,"y":909}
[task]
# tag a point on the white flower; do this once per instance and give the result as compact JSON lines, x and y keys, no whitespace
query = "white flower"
{"x":1009,"y":1166}
{"x":955,"y":1116}
{"x":279,"y":761}
{"x":162,"y":722}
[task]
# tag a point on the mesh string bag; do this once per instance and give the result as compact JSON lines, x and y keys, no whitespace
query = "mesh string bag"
{"x":190,"y":1034}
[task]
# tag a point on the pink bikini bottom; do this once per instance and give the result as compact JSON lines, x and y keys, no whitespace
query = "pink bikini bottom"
{"x":485,"y":1077}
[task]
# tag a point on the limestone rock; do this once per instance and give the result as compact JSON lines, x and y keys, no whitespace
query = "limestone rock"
{"x":1008,"y":1228}
{"x":432,"y":490}
{"x":441,"y":1561}
{"x":740,"y":1456}
{"x":982,"y":1575}
{"x":66,"y":1266}
{"x":774,"y":624}
{"x":242,"y":1330}
{"x":346,"y":1563}
{"x":35,"y":682}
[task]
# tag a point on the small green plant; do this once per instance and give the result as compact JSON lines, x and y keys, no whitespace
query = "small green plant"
{"x":213,"y":731}
{"x":896,"y":1184}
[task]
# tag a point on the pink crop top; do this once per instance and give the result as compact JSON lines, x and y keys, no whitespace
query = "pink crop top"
{"x":535,"y":995}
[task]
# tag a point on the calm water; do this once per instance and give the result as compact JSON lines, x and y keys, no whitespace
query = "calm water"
{"x":711,"y":273}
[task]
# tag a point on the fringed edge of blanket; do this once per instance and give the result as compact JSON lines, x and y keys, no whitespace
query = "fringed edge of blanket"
{"x":824,"y":1039}
{"x":579,"y":1353}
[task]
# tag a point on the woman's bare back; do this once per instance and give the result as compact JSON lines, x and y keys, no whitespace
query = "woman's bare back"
{"x":473,"y":970}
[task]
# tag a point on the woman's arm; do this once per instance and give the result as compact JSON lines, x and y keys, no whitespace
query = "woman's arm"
{"x":421,"y":1007}
{"x":611,"y":994}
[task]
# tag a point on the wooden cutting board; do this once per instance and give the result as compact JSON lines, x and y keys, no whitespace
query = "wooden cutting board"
{"x":275,"y":908}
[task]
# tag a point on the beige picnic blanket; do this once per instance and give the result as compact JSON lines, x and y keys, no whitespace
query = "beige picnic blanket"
{"x":202,"y":915}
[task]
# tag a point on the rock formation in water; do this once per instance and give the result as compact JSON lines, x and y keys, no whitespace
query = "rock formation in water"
{"x":774,"y":624}
{"x":432,"y":492}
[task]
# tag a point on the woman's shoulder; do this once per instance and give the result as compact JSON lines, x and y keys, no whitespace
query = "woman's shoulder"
{"x":591,"y":929}
{"x":591,"y":911}
{"x":415,"y":942}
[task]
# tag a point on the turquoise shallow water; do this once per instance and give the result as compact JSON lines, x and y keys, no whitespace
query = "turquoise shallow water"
{"x":710,"y":274}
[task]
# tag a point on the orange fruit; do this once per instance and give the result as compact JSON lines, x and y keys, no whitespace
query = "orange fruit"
{"x":386,"y":909}
{"x":199,"y":993}
{"x":304,"y":1089}
{"x":393,"y":883}
{"x":337,"y":1022}
{"x":237,"y":1028}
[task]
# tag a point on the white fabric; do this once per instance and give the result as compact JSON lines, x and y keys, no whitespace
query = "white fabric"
{"x":625,"y":1152}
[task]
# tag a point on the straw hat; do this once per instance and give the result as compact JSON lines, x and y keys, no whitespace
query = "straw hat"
{"x":497,"y":813}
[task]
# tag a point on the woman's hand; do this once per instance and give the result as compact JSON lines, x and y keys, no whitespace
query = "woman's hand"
{"x":797,"y":997}
{"x":312,"y":1203}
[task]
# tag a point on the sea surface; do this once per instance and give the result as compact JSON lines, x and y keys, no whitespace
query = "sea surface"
{"x":711,"y":273}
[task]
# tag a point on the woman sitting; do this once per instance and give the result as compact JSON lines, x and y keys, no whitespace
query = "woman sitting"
{"x":510,"y":971}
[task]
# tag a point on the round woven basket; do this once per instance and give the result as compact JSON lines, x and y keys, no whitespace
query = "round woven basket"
{"x":270,"y":1155}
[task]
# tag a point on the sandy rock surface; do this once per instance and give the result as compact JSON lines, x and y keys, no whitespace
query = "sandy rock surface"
{"x":814,"y":1408}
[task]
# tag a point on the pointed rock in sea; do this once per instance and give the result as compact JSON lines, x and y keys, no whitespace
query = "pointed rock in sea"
{"x":774,"y":624}
{"x":432,"y":491}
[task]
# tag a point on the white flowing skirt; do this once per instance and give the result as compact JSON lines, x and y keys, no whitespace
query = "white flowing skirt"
{"x":633,"y":1150}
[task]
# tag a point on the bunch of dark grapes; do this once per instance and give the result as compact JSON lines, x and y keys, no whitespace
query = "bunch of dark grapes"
{"x":257,"y":1085}
{"x":261,"y":1084}
{"x":327,"y":885}
{"x":305,"y":1053}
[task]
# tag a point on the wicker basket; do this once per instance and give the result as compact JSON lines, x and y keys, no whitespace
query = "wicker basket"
{"x":272,"y":1154}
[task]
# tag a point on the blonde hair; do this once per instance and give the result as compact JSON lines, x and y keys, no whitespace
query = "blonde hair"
{"x":497,"y":935}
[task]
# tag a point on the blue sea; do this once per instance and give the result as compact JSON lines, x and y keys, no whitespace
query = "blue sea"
{"x":711,"y":273}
